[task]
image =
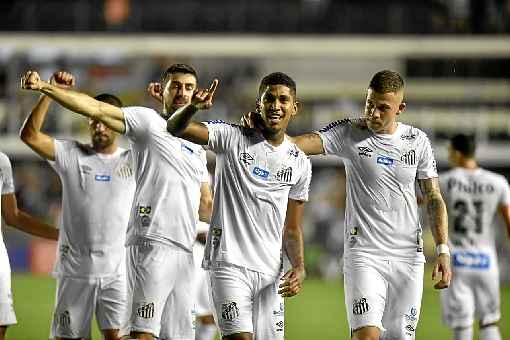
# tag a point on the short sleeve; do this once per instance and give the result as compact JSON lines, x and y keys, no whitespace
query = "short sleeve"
{"x":222,"y":136}
{"x":300,"y":190}
{"x":137,"y":120}
{"x":427,"y":163}
{"x":334,"y":135}
{"x":6,"y":175}
{"x":505,"y":192}
{"x":64,"y":154}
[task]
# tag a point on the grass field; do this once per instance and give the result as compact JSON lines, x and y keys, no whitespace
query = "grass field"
{"x":317,"y":314}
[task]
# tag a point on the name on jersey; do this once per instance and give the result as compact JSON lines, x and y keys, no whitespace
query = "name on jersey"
{"x":471,"y":188}
{"x":259,"y":172}
{"x":384,"y":160}
{"x":471,"y":260}
{"x":103,"y":178}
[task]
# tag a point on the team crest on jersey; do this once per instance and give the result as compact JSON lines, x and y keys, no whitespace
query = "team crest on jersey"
{"x":124,"y":171}
{"x":144,"y":213}
{"x":216,"y":237}
{"x":409,"y":158}
{"x":85,"y":169}
{"x":246,"y":158}
{"x":360,"y":307}
{"x":145,"y":310}
{"x":64,"y":320}
{"x":364,"y":151}
{"x":284,"y":175}
{"x":229,"y":311}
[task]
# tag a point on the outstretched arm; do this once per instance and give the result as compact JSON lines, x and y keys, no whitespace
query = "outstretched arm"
{"x":30,"y":132}
{"x":438,"y":220}
{"x":180,"y":123}
{"x":78,"y":102}
{"x":309,"y":143}
{"x":294,"y":247}
{"x":23,"y":221}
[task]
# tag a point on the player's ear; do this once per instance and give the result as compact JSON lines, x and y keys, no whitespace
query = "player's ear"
{"x":401,"y":107}
{"x":258,"y":106}
{"x":297,"y":107}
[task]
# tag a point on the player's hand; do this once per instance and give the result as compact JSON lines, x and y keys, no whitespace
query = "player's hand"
{"x":252,"y":120}
{"x":292,"y":282}
{"x":442,"y":267}
{"x":203,"y":98}
{"x":31,"y":81}
{"x":155,"y":91}
{"x":62,"y":79}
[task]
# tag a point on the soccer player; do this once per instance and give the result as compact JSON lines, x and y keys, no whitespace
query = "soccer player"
{"x":22,"y":221}
{"x":261,"y":183}
{"x":473,"y":196}
{"x":97,"y":193}
{"x":383,"y":256}
{"x":172,"y":193}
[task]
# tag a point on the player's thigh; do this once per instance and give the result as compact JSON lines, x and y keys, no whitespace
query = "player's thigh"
{"x":458,"y":301}
{"x":111,"y":305}
{"x":365,"y":291}
{"x":232,"y":293}
{"x":7,"y":315}
{"x":487,"y":297}
{"x":74,"y":306}
{"x":405,"y":290}
{"x":269,"y":310}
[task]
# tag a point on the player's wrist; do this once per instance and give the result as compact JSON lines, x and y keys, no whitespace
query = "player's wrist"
{"x":442,"y":248}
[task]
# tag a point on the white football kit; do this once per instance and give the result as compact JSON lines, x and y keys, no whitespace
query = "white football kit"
{"x":473,"y":198}
{"x":97,"y":193}
{"x":253,"y":183}
{"x":169,"y":172}
{"x":7,"y":316}
{"x":383,"y":257}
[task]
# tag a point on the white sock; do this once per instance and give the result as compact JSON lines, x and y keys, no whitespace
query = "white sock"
{"x":490,"y":333}
{"x":465,"y":333}
{"x":205,"y":331}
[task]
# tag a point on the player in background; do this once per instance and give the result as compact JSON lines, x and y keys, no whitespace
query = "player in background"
{"x":97,"y":193}
{"x":383,"y":252}
{"x":205,"y":327}
{"x":21,"y":220}
{"x":473,"y":196}
{"x":172,"y":193}
{"x":261,"y":183}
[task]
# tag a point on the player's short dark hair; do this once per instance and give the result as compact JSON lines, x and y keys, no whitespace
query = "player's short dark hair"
{"x":109,"y":98}
{"x":177,"y":68}
{"x":386,"y":81}
{"x":277,"y":78}
{"x":465,"y":144}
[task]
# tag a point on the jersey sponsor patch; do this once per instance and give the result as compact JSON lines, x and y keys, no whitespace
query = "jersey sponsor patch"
{"x":144,"y":213}
{"x":471,"y":260}
{"x":385,"y":160}
{"x":103,"y":178}
{"x":259,"y":172}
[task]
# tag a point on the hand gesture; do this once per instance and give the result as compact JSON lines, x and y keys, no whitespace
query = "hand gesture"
{"x":292,"y":282}
{"x":202,"y":98}
{"x":252,"y":120}
{"x":155,"y":91}
{"x":442,"y":266}
{"x":62,"y":79}
{"x":31,"y":81}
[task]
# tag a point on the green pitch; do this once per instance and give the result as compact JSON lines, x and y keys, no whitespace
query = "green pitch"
{"x":318,"y":313}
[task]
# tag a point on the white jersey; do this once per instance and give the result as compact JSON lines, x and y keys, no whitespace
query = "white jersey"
{"x":253,"y":182}
{"x":381,"y":216}
{"x":97,"y":192}
{"x":169,"y":172}
{"x":6,"y":187}
{"x":473,"y":198}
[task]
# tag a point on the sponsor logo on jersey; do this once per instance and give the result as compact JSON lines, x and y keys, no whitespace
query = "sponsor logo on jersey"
{"x":186,"y":149}
{"x":284,"y":175}
{"x":471,"y":260}
{"x":64,"y":320}
{"x":409,"y":158}
{"x":364,"y":151}
{"x":279,"y":326}
{"x":281,"y":311}
{"x":229,"y":311}
{"x":144,"y":214}
{"x":411,"y":317}
{"x":103,"y":178}
{"x":409,"y":136}
{"x":385,"y":160}
{"x":360,"y":306}
{"x":145,"y":310}
{"x":246,"y":158}
{"x":260,"y":172}
{"x":216,"y":236}
{"x":471,"y":187}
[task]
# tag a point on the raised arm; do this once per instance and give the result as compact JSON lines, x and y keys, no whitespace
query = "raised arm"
{"x":180,"y":123}
{"x":23,"y":221}
{"x":78,"y":102}
{"x":438,"y":220}
{"x":30,"y":132}
{"x":294,"y":248}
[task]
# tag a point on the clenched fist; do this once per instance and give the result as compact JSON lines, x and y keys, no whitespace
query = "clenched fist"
{"x":31,"y":81}
{"x":62,"y":79}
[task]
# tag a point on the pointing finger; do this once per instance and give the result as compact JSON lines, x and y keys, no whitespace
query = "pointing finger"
{"x":213,"y":86}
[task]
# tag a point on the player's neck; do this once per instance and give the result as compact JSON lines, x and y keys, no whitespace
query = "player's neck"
{"x":468,"y":163}
{"x":275,"y":139}
{"x":110,"y":149}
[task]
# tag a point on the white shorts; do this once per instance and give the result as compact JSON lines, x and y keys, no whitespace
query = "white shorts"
{"x":203,"y":299}
{"x":78,"y":298}
{"x":7,"y":316}
{"x":472,"y":294}
{"x":247,"y":301}
{"x":385,"y":294}
{"x":159,"y":279}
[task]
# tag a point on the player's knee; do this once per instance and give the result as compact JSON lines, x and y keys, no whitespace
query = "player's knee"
{"x":366,"y":333}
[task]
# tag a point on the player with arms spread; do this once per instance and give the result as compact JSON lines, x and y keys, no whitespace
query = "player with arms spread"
{"x":171,"y":184}
{"x":97,"y":193}
{"x":473,"y":196}
{"x":261,"y":183}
